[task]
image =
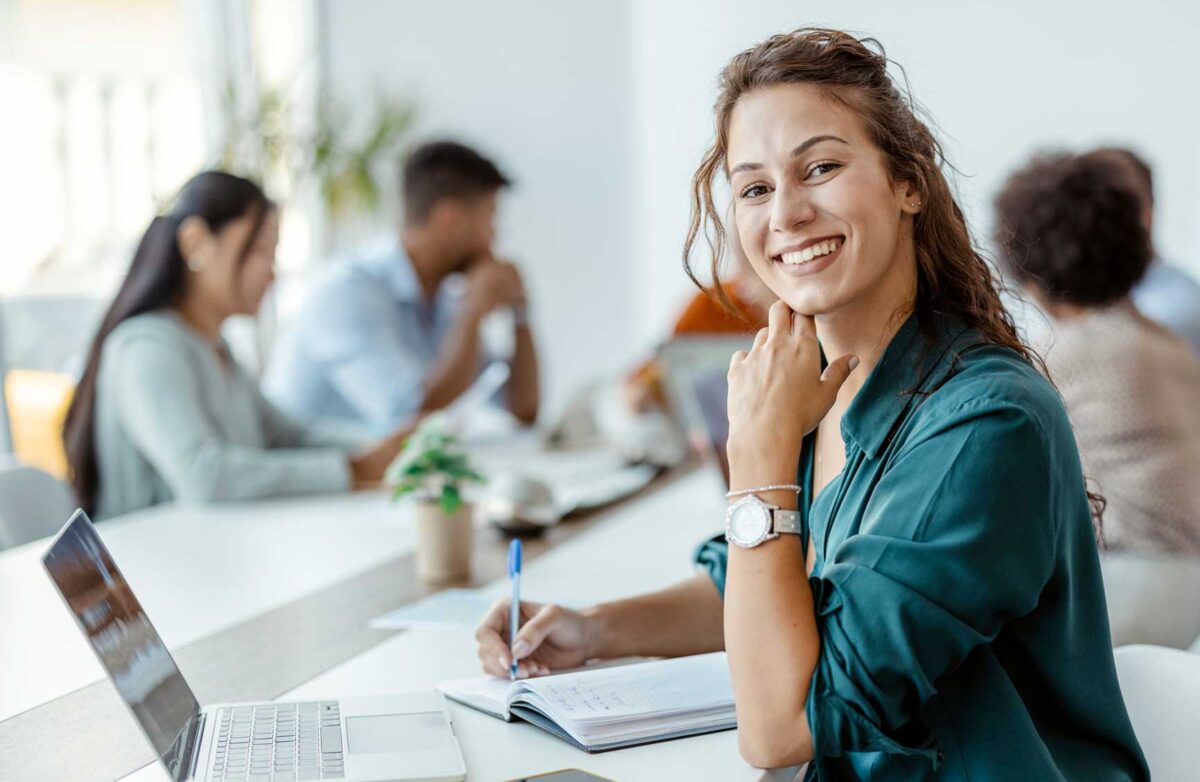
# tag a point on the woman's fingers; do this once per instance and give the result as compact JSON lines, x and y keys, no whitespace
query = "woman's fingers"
{"x":535,"y":631}
{"x":804,"y":325}
{"x":836,"y":373}
{"x":492,"y":632}
{"x":494,"y":621}
{"x":779,"y":319}
{"x":492,"y":664}
{"x":497,"y":665}
{"x":492,"y":635}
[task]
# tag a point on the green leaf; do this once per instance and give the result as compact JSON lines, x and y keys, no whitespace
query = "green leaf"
{"x":451,"y":500}
{"x":432,"y":464}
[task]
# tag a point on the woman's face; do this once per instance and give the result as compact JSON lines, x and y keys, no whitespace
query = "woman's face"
{"x":819,"y":219}
{"x":230,"y":281}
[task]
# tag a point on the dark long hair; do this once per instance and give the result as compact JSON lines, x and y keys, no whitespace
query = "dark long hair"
{"x":156,"y":279}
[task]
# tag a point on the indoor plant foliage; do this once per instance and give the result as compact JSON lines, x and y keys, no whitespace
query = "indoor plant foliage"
{"x":341,"y":147}
{"x":432,"y":467}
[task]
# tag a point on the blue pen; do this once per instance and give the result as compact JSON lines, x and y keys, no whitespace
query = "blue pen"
{"x":514,"y":617}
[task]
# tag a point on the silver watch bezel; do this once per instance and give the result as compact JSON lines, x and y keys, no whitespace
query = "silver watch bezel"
{"x":768,"y":532}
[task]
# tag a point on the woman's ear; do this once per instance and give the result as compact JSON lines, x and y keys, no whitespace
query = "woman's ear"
{"x":193,"y":237}
{"x":910,"y":199}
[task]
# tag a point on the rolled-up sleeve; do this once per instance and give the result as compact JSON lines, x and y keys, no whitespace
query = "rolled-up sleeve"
{"x":956,"y":540}
{"x":712,"y":557}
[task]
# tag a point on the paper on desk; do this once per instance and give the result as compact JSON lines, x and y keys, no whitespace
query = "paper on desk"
{"x":449,"y":607}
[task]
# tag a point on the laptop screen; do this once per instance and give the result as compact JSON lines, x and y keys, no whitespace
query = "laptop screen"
{"x":711,"y":391}
{"x":135,"y":658}
{"x":695,"y":370}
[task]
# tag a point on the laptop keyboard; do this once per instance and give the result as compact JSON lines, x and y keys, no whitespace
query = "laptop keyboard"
{"x":279,"y":741}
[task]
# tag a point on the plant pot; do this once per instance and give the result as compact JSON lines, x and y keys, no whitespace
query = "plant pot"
{"x":444,"y":542}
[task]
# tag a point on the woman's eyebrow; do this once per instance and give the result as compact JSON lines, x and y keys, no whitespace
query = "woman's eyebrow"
{"x":799,"y":150}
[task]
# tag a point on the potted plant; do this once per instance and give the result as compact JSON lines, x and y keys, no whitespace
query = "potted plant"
{"x":432,"y":468}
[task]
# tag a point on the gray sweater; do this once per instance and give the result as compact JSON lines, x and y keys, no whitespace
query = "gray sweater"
{"x":174,"y":422}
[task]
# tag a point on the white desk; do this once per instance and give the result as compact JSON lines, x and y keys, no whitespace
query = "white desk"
{"x":196,"y":571}
{"x":599,"y":564}
{"x":200,"y":569}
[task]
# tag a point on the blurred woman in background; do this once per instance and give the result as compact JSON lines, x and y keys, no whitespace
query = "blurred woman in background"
{"x":163,"y":412}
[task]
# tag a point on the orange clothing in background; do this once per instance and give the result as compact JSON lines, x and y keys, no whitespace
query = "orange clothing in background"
{"x":705,"y":315}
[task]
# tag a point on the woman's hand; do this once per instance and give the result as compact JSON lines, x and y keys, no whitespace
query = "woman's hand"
{"x":368,"y":465}
{"x":551,"y":637}
{"x":777,"y":395}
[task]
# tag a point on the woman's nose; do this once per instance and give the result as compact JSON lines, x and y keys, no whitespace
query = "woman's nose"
{"x":791,"y":208}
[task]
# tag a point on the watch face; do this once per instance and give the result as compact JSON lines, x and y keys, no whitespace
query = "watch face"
{"x":747,"y":522}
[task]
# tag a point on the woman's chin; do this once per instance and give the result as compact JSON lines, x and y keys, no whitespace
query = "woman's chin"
{"x":808,"y":303}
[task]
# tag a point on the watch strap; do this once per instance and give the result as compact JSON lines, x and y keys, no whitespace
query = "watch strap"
{"x":786,"y":521}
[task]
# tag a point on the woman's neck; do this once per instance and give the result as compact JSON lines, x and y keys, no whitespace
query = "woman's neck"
{"x":865,"y":328}
{"x":203,"y":319}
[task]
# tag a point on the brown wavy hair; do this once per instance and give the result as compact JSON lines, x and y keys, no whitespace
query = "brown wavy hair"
{"x":953,"y":276}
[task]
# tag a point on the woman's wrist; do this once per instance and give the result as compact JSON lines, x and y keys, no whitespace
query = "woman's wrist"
{"x":760,"y":470}
{"x":752,"y":473}
{"x":596,"y":631}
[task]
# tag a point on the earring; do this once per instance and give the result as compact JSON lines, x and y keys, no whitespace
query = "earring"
{"x":195,"y":263}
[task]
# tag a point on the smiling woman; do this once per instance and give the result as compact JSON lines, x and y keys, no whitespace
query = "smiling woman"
{"x":913,"y":588}
{"x":914,"y":575}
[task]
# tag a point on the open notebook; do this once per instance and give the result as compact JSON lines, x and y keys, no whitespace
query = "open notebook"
{"x":608,"y":708}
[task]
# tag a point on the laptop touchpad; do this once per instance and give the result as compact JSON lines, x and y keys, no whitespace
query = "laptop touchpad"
{"x":423,"y":731}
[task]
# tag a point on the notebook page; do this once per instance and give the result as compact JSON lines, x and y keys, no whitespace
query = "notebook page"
{"x":643,"y":690}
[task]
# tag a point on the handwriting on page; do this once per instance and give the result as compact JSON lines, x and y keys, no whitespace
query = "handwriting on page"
{"x":663,"y":687}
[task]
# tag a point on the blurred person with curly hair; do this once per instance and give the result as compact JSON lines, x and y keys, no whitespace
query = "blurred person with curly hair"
{"x":1166,"y":293}
{"x":1071,"y":231}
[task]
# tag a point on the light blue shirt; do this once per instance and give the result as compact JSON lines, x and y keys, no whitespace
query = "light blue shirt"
{"x":362,"y":343}
{"x":1171,"y":297}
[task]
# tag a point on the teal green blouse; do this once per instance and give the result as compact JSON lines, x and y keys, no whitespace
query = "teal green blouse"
{"x":957,"y":585}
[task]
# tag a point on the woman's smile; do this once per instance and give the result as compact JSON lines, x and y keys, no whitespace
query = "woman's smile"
{"x":809,"y":258}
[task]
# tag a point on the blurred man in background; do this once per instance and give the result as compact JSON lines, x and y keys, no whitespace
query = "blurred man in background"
{"x":384,"y":336}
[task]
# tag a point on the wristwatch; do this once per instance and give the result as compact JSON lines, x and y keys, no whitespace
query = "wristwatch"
{"x":750,"y":522}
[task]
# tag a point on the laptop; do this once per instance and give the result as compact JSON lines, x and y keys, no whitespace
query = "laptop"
{"x":405,"y":737}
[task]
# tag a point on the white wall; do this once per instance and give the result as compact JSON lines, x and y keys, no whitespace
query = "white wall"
{"x":1001,"y":79}
{"x":543,"y":89}
{"x":601,"y":110}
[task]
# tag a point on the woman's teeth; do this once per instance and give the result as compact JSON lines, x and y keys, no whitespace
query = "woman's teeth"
{"x":813,"y":251}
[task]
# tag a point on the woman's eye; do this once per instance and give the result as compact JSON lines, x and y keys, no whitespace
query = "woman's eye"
{"x":754,"y":191}
{"x":821,"y":169}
